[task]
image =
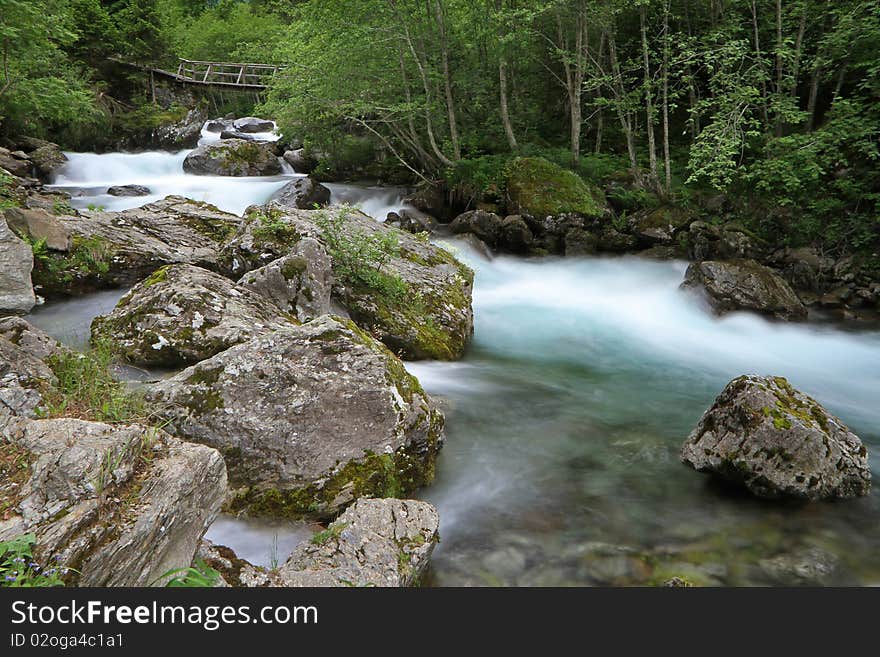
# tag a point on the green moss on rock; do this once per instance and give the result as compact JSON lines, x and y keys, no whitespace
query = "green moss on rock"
{"x":537,"y":187}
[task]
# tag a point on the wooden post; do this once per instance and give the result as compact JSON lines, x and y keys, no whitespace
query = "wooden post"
{"x":240,"y":74}
{"x":207,"y":72}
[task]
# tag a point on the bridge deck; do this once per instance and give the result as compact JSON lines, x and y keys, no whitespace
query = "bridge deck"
{"x":217,"y":74}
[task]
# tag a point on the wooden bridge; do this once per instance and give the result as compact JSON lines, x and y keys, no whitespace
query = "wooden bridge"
{"x":227,"y":75}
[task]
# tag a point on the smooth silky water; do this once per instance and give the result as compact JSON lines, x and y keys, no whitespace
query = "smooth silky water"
{"x":565,"y":417}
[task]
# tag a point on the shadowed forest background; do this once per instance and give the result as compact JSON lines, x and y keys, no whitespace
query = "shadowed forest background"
{"x":769,"y":107}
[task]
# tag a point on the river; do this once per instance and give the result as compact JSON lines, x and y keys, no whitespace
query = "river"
{"x":565,"y":417}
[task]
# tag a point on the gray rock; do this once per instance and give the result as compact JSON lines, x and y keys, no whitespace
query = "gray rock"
{"x":579,"y":242}
{"x":16,"y":263}
{"x":217,"y":126}
{"x":809,"y":566}
{"x":487,"y":226}
{"x":235,"y":134}
{"x":233,"y":157}
{"x":303,"y":193}
{"x":516,"y":236}
{"x":376,"y":542}
{"x":729,"y":241}
{"x":428,"y":312}
{"x":121,"y":504}
{"x":16,"y":165}
{"x":300,"y":161}
{"x":184,"y":133}
{"x":183,"y":314}
{"x":47,"y":157}
{"x":777,"y":442}
{"x":252,"y":124}
{"x":40,"y":225}
{"x":412,"y":221}
{"x":744,"y":285}
{"x":128,"y":190}
{"x":24,"y":372}
{"x":658,"y":226}
{"x":122,"y":248}
{"x":299,"y":284}
{"x":309,"y":418}
{"x":613,"y":241}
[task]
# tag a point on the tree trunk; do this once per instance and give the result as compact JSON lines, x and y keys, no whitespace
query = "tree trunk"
{"x":505,"y":113}
{"x":625,"y":123}
{"x":665,"y":77}
{"x":447,"y":80}
{"x":779,"y":65}
{"x":649,"y":100}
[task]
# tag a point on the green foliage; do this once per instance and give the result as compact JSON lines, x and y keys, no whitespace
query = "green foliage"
{"x":271,"y":225}
{"x":360,"y":256}
{"x":333,"y":531}
{"x":199,"y":575}
{"x":18,"y":568}
{"x":478,"y":179}
{"x":87,"y":389}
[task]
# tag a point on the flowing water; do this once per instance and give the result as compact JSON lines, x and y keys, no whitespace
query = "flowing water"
{"x":565,"y":417}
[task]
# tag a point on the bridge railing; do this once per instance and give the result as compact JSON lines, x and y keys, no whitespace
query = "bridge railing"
{"x":238,"y":74}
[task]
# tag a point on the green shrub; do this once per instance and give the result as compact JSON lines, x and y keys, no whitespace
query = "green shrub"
{"x":199,"y":575}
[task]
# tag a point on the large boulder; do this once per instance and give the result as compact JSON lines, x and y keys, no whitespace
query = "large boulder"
{"x":116,"y":505}
{"x":539,"y":188}
{"x":303,"y":193}
{"x":251,"y":124}
{"x":309,"y":418}
{"x":182,"y":314}
{"x":300,"y":160}
{"x":776,"y":441}
{"x":744,"y":285}
{"x":115,"y":249}
{"x":16,"y":263}
{"x":299,"y":283}
{"x":46,"y":157}
{"x":233,"y":157}
{"x":487,"y":226}
{"x":414,"y":296}
{"x":15,"y":162}
{"x":183,"y":132}
{"x":40,"y":225}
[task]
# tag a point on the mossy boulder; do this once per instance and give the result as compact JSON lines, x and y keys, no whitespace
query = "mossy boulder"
{"x":777,"y":442}
{"x":233,"y":157}
{"x":733,"y":285}
{"x":309,"y":418}
{"x":540,"y":188}
{"x":417,"y":299}
{"x":117,"y":249}
{"x":182,"y":314}
{"x":659,"y":225}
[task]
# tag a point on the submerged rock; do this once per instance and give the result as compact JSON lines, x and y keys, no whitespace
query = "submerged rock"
{"x":299,"y":283}
{"x":303,"y":193}
{"x":233,"y":157}
{"x":182,"y":314}
{"x":128,"y":190}
{"x":115,"y":249}
{"x":309,"y":418}
{"x":418,"y":302}
{"x":16,"y":263}
{"x":778,"y":442}
{"x":744,"y":285}
{"x":117,"y":505}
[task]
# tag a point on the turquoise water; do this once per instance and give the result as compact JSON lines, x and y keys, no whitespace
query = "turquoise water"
{"x":565,"y":418}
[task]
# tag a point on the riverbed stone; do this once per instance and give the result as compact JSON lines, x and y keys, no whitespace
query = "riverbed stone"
{"x":303,"y":193}
{"x":299,"y":284}
{"x":117,"y":505}
{"x":375,"y":542}
{"x":309,"y":418}
{"x":116,"y":249}
{"x":487,"y":226}
{"x":16,"y":263}
{"x":733,"y":285}
{"x":419,"y":302}
{"x":233,"y":157}
{"x":182,"y":314}
{"x":777,"y":442}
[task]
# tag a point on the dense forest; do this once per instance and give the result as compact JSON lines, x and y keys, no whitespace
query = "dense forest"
{"x":773,"y":103}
